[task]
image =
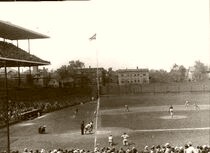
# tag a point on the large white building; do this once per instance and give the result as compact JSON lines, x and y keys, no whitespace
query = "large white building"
{"x":133,"y":76}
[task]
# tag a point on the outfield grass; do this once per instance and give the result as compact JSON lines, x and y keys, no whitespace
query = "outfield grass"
{"x":153,"y":120}
{"x":151,"y":99}
{"x":63,"y":129}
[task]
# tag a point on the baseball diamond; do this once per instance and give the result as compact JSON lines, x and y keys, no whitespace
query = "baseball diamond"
{"x":147,"y":122}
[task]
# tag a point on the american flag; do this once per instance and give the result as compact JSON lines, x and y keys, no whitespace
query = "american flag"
{"x":93,"y":37}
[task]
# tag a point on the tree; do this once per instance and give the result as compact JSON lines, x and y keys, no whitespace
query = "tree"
{"x":76,"y":64}
{"x":177,"y":73}
{"x":182,"y":71}
{"x":62,"y":72}
{"x":66,"y":71}
{"x":159,"y":76}
{"x":200,"y":71}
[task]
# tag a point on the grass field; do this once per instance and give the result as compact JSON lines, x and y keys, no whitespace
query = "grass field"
{"x":148,"y":123}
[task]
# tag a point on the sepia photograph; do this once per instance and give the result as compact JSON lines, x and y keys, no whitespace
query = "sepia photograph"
{"x":105,"y":76}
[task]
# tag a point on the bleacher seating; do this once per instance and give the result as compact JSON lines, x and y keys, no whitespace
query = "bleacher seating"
{"x":8,"y":50}
{"x":26,"y":103}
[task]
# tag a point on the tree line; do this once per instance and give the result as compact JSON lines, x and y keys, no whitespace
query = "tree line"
{"x":178,"y":73}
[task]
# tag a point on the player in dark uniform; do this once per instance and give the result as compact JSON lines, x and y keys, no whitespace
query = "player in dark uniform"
{"x":76,"y":111}
{"x":42,"y":129}
{"x":82,"y":127}
{"x":171,"y":111}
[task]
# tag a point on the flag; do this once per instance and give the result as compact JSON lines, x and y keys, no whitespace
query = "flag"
{"x":93,"y":37}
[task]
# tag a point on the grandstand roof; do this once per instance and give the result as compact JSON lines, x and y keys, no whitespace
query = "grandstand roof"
{"x":132,"y":70}
{"x":22,"y":63}
{"x":14,"y":32}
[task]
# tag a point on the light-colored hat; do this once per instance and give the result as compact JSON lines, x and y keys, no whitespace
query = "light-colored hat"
{"x":190,"y":143}
{"x":42,"y":151}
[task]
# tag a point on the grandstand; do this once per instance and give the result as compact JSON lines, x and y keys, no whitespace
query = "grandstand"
{"x":13,"y":56}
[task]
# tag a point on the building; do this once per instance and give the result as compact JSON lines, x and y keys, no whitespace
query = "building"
{"x":190,"y":72}
{"x":88,"y":76}
{"x":133,"y":76}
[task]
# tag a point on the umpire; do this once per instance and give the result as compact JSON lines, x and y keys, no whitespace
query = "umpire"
{"x":82,"y":127}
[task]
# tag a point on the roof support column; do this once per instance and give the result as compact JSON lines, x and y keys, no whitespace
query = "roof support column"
{"x":19,"y":75}
{"x":29,"y":50}
{"x":7,"y":108}
{"x":17,"y":44}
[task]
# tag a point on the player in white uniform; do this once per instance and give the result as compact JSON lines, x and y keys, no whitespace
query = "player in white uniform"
{"x":196,"y":107}
{"x":187,"y":103}
{"x":125,"y":137}
{"x":126,"y":108}
{"x":110,"y":140}
{"x":171,"y":111}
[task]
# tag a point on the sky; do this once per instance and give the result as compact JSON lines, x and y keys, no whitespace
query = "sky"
{"x":153,"y":34}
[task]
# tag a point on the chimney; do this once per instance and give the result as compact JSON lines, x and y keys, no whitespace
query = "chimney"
{"x":137,"y":67}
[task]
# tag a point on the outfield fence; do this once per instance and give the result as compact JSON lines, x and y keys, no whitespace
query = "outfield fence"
{"x":157,"y":88}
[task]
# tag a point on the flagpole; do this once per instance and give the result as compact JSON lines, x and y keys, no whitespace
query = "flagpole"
{"x":98,"y":94}
{"x":98,"y":102}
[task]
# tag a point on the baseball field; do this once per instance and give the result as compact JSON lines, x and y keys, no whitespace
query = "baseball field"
{"x":147,"y":123}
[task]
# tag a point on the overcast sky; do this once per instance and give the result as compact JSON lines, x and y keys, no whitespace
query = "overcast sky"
{"x":152,"y":34}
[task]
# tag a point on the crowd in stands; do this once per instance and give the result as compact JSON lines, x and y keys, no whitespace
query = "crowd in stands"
{"x":22,"y":110}
{"x":8,"y":50}
{"x":167,"y":148}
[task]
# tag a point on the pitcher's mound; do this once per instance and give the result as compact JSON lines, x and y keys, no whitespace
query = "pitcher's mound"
{"x":174,"y":117}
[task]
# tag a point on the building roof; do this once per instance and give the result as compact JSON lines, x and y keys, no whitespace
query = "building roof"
{"x":132,"y":70}
{"x":13,"y":56}
{"x":14,"y":32}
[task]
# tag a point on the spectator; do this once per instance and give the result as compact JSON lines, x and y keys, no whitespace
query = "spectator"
{"x":134,"y":150}
{"x":25,"y":150}
{"x":146,"y":150}
{"x":167,"y":148}
{"x":190,"y":148}
{"x":152,"y":150}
